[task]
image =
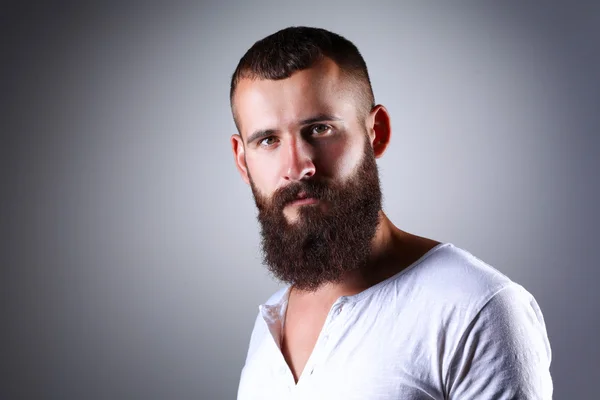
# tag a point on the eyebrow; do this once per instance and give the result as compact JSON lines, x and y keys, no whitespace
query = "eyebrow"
{"x":263,"y":133}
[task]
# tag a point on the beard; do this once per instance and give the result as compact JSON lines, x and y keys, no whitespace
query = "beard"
{"x":321,"y":246}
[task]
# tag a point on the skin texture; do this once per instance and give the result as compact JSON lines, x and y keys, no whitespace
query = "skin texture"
{"x":308,"y":126}
{"x":281,"y":105}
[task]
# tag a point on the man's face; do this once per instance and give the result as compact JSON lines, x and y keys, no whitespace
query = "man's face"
{"x":307,"y":155}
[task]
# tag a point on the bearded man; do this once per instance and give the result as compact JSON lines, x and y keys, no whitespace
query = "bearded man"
{"x":368,"y":311}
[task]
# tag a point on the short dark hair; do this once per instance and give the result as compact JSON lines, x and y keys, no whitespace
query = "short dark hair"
{"x":296,"y":48}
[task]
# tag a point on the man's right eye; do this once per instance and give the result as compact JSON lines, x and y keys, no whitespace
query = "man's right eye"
{"x":268,"y":141}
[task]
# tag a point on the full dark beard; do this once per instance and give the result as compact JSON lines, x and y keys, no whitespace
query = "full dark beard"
{"x":320,"y":246}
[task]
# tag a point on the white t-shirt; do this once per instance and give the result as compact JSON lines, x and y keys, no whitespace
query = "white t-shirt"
{"x":447,"y":327}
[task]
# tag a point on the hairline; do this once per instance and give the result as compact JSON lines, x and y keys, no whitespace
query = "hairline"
{"x":357,"y":83}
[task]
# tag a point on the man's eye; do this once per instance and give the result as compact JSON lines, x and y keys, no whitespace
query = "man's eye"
{"x":268,"y":141}
{"x":320,"y":129}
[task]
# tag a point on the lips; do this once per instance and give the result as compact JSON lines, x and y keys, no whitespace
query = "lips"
{"x":303,"y":199}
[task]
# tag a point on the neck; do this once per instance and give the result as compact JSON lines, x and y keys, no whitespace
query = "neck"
{"x":391,"y":251}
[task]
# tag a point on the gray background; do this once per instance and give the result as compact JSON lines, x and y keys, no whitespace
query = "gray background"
{"x":129,"y":257}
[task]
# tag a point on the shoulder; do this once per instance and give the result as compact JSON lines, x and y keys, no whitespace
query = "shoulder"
{"x":451,"y":286}
{"x":448,"y":261}
{"x":504,"y":351}
{"x":455,"y":279}
{"x":456,"y":276}
{"x":494,"y":331}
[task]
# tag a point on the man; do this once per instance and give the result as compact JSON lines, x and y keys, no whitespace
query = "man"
{"x":369,"y":311}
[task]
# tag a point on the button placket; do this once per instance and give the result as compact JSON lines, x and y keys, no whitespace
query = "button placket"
{"x":324,"y":341}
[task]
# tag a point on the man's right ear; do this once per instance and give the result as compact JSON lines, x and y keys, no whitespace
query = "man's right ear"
{"x":237,"y":145}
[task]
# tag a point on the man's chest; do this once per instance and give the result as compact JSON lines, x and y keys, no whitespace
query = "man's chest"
{"x":301,"y":332}
{"x":348,"y":362}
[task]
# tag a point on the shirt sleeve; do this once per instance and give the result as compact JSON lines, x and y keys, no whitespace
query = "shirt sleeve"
{"x":504,"y":353}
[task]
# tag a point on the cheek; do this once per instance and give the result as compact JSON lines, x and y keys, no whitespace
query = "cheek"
{"x":263,"y":172}
{"x":340,"y":159}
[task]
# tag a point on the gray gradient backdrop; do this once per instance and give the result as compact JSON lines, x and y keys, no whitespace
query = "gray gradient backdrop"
{"x":130,"y":265}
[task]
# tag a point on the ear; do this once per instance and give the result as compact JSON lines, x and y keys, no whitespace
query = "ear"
{"x":237,"y":145}
{"x":379,"y":128}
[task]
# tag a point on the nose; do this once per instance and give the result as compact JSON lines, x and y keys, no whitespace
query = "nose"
{"x":298,"y":161}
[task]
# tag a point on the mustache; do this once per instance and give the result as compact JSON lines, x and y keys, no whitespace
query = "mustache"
{"x":310,"y":188}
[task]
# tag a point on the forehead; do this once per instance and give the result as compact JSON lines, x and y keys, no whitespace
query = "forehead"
{"x":275,"y":104}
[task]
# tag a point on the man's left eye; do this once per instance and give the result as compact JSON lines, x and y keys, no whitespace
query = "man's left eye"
{"x":320,"y":129}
